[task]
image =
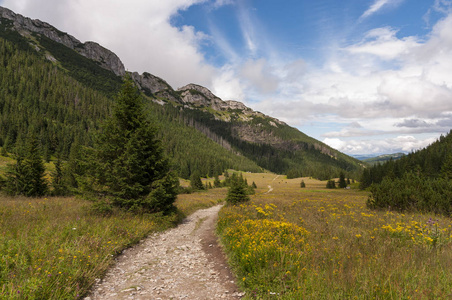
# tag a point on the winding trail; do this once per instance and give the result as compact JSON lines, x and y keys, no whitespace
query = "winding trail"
{"x":270,"y":189}
{"x":181,"y":263}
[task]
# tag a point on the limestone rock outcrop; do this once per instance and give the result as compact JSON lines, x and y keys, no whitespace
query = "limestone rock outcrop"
{"x":25,"y":26}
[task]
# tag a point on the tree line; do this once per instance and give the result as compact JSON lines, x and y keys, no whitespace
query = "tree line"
{"x":419,"y":181}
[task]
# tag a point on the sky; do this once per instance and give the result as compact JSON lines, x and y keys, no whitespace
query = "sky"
{"x":363,"y":76}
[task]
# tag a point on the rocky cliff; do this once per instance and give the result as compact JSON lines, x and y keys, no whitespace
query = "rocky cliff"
{"x":26,"y":26}
{"x":196,"y":96}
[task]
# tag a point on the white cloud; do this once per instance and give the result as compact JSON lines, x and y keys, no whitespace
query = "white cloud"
{"x":260,"y":75}
{"x":403,"y":143}
{"x":383,"y":43}
{"x":377,"y":6}
{"x":228,"y":85}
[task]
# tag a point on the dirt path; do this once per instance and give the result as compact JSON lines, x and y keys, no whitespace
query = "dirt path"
{"x":181,"y":263}
{"x":270,"y":189}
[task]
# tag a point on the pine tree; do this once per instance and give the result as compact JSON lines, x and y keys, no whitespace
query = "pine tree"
{"x":217,"y":182}
{"x":58,"y":184}
{"x":302,"y":184}
{"x":331,"y":184}
{"x":37,"y":182}
{"x":26,"y":176}
{"x":446,"y":168}
{"x":16,"y":177}
{"x":127,"y":165}
{"x":73,"y":170}
{"x":342,"y":182}
{"x":195,"y":182}
{"x":237,"y":192}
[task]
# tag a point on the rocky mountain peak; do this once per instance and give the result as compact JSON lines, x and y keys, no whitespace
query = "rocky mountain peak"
{"x":199,"y":96}
{"x":193,"y":94}
{"x":150,"y":82}
{"x":25,"y":26}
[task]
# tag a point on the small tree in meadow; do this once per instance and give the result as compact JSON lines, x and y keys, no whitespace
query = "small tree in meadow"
{"x":195,"y":182}
{"x":217,"y":182}
{"x":237,"y":192}
{"x":331,"y":184}
{"x":342,"y":182}
{"x":302,"y":184}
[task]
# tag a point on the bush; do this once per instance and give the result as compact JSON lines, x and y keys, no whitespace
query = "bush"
{"x":331,"y":184}
{"x":412,"y":193}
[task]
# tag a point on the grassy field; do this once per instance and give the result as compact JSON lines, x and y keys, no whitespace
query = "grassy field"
{"x":287,"y":243}
{"x":314,"y":243}
{"x":55,"y":248}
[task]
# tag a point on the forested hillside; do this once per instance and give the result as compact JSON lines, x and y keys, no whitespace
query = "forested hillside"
{"x":419,"y":181}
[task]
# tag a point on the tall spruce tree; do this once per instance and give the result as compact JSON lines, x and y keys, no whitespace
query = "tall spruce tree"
{"x":58,"y":184}
{"x":342,"y":182}
{"x":26,"y":176}
{"x":127,"y":165}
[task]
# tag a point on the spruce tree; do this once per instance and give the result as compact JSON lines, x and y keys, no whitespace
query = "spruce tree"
{"x":342,"y":182}
{"x":446,"y":168}
{"x":26,"y":176}
{"x":217,"y":182}
{"x":331,"y":184}
{"x":37,"y":182}
{"x":195,"y":182}
{"x":237,"y":192}
{"x":16,"y":177}
{"x":127,"y":165}
{"x":58,"y":184}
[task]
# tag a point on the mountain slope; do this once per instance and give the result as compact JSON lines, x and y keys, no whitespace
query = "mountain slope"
{"x":200,"y":131}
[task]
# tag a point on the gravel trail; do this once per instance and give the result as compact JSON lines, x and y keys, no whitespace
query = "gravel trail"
{"x":181,"y":263}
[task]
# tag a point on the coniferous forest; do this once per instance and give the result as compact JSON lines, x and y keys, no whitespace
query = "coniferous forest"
{"x":419,"y":181}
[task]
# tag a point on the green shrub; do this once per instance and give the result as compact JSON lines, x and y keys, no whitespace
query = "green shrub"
{"x":412,"y":193}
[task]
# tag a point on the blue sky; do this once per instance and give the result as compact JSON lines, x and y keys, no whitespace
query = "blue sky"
{"x":364,"y":76}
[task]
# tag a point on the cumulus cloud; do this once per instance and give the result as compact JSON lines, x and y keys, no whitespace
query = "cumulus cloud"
{"x":404,"y":143}
{"x":260,"y":75}
{"x":383,"y":43}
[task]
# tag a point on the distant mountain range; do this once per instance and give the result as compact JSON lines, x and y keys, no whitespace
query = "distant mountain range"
{"x":379,"y":157}
{"x":62,"y":89}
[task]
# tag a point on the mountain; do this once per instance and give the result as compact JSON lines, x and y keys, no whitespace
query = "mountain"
{"x":62,"y":89}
